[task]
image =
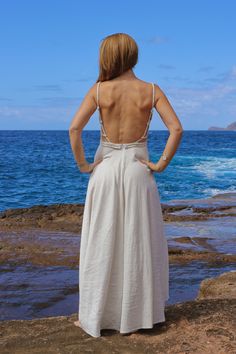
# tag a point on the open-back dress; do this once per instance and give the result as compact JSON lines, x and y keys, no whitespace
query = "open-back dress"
{"x":123,"y":264}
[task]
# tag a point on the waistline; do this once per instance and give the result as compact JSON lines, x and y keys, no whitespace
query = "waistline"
{"x":123,"y":145}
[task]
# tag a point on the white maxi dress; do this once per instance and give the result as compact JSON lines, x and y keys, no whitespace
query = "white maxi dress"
{"x":123,"y":264}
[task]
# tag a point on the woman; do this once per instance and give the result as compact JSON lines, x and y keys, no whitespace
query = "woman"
{"x":124,"y":269}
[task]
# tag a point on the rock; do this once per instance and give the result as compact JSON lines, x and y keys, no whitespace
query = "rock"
{"x":198,"y":326}
{"x":69,"y":216}
{"x":221,"y":287}
{"x":48,"y":217}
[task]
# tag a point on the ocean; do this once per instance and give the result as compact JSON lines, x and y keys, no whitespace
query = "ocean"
{"x":38,"y":167}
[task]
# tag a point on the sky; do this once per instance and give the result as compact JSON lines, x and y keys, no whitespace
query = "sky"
{"x":49,"y":58}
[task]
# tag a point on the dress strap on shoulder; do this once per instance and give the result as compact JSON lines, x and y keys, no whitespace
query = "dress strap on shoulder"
{"x":103,"y":132}
{"x":153,"y":95}
{"x":150,"y":115}
{"x":97,"y":94}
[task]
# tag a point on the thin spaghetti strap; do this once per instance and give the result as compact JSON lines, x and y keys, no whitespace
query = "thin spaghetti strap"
{"x":97,"y":93}
{"x":150,"y":116}
{"x":103,"y":132}
{"x":153,"y":95}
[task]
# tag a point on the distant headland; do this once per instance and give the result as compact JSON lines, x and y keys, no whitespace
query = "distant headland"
{"x":232,"y":126}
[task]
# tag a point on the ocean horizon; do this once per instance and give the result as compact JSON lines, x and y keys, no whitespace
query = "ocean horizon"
{"x":38,"y":167}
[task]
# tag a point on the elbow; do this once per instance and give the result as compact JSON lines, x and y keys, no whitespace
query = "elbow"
{"x":178,"y":130}
{"x":73,"y":129}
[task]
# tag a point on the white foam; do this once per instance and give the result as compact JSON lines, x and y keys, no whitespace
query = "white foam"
{"x":216,"y":167}
{"x":214,"y":191}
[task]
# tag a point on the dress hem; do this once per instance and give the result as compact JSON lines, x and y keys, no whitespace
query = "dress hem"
{"x":116,"y":328}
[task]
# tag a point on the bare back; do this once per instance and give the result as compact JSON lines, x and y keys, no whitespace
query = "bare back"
{"x":125,"y":107}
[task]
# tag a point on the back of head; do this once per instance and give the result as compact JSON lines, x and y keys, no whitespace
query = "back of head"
{"x":118,"y":53}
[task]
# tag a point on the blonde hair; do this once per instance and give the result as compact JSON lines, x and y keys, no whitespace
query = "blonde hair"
{"x":118,"y":53}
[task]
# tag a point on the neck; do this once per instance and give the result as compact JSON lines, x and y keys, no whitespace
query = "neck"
{"x":129,"y":74}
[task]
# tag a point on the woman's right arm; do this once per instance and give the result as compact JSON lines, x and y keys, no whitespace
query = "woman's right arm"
{"x":172,"y":123}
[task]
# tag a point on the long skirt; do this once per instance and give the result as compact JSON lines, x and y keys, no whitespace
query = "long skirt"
{"x":123,"y":264}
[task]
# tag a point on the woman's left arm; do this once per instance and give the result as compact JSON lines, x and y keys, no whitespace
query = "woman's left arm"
{"x":80,"y":119}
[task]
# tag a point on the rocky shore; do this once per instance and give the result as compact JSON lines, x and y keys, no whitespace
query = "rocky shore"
{"x":47,"y":237}
{"x":22,"y":239}
{"x":205,"y":325}
{"x":69,"y":216}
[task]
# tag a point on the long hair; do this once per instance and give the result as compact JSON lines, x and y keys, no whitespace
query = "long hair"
{"x":118,"y":53}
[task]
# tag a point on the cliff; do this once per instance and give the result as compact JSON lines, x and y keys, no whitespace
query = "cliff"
{"x":231,"y":127}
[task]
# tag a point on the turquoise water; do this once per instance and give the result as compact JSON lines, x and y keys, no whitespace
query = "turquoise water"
{"x":38,"y":167}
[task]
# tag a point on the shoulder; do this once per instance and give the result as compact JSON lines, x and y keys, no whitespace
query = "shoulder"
{"x":92,"y":92}
{"x":157,"y":89}
{"x":158,"y":92}
{"x":93,"y":89}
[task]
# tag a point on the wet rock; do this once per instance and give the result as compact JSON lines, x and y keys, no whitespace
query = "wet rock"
{"x":69,"y":216}
{"x":199,"y":326}
{"x":221,"y":287}
{"x":49,"y":217}
{"x":205,"y":325}
{"x":52,"y":248}
{"x":221,"y":205}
